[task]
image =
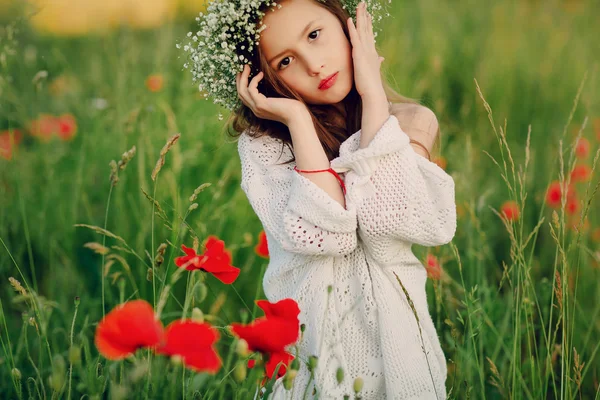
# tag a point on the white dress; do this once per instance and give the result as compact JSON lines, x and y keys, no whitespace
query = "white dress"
{"x":394,"y":198}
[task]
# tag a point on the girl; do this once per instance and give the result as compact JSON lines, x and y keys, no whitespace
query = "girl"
{"x":341,"y":247}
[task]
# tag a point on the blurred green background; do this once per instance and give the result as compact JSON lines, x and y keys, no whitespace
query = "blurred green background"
{"x":82,"y":82}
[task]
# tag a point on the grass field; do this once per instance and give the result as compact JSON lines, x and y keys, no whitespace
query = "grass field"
{"x":516,"y":300}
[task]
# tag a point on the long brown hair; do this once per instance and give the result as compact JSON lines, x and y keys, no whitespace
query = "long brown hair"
{"x":332,"y":129}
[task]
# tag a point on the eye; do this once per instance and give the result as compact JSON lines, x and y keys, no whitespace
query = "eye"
{"x":281,"y":62}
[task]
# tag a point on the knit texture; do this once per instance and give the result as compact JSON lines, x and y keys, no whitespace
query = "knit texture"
{"x":394,"y":198}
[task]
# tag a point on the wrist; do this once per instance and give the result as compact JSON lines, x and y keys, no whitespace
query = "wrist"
{"x":376,"y":97}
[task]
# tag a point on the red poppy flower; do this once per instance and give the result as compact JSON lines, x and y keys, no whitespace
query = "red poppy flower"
{"x":133,"y":325}
{"x":581,"y":173}
{"x":154,"y":83}
{"x":7,"y":144}
{"x":262,"y":248}
{"x":216,"y":260}
{"x":441,"y":162}
{"x":193,"y":341}
{"x":554,"y":193}
{"x":572,"y":205}
{"x":44,"y":127}
{"x":510,"y":209}
{"x":274,"y":359}
{"x":433,"y":267}
{"x":582,"y":148}
{"x":128,"y":327}
{"x":272,"y":333}
{"x":66,"y":127}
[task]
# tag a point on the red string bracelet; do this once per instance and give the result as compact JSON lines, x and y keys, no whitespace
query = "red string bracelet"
{"x":325,"y":170}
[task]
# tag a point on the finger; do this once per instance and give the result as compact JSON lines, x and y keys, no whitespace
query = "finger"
{"x":370,"y":24}
{"x":244,"y":86}
{"x":353,"y":33}
{"x":253,"y":88}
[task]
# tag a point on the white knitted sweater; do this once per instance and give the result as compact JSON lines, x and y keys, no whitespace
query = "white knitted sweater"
{"x":394,"y":198}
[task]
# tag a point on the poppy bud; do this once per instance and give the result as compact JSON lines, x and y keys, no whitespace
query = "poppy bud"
{"x":197,"y":315}
{"x":358,"y":384}
{"x":312,"y":362}
{"x":339,"y":375}
{"x":16,"y":374}
{"x":287,"y":384}
{"x":201,"y":292}
{"x":239,"y":372}
{"x":75,"y":355}
{"x":176,"y":360}
{"x":295,"y":365}
{"x":291,"y":374}
{"x":76,"y":300}
{"x":329,"y":288}
{"x":302,"y":327}
{"x":241,"y":348}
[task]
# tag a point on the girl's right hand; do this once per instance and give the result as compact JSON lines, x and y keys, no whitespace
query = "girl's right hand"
{"x":273,"y":108}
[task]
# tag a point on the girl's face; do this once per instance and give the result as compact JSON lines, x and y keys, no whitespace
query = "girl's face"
{"x":305,"y":44}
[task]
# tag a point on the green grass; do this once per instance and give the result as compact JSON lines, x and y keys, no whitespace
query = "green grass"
{"x":496,"y":75}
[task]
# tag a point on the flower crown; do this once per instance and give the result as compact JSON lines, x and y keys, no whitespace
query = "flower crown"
{"x":227,"y":38}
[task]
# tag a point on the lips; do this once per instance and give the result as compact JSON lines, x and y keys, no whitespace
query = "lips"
{"x":324,"y":81}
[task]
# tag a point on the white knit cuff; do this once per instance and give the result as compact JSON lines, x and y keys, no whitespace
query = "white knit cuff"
{"x":389,"y":138}
{"x":316,"y":206}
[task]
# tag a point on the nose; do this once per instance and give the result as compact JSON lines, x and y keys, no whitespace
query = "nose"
{"x":315,"y":68}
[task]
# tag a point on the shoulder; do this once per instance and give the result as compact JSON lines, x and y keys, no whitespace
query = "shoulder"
{"x":261,"y":149}
{"x":415,"y":116}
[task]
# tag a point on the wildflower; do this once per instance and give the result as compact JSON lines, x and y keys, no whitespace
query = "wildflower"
{"x":127,"y":328}
{"x":133,"y":325}
{"x":572,"y":205}
{"x":510,"y":209}
{"x":262,"y":249}
{"x":8,"y":141}
{"x":582,"y":148}
{"x":155,"y":82}
{"x":554,"y":193}
{"x":441,"y":162}
{"x":66,"y":127}
{"x":581,"y":173}
{"x":193,"y":342}
{"x":44,"y":127}
{"x":216,"y":260}
{"x":433,"y":267}
{"x":272,"y":333}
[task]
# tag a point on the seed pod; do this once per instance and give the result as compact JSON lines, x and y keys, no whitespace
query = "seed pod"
{"x":339,"y":375}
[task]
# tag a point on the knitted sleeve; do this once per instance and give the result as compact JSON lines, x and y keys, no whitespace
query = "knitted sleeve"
{"x":301,"y":216}
{"x":397,"y":192}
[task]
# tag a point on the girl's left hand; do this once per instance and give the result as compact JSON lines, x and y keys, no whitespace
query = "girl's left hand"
{"x":367,"y":63}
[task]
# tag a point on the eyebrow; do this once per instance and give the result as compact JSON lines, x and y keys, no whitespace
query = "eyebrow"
{"x":301,"y":36}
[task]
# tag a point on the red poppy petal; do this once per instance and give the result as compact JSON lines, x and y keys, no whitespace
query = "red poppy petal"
{"x":276,"y":358}
{"x":193,"y":341}
{"x":268,"y":335}
{"x":128,"y":327}
{"x":188,"y":250}
{"x":287,"y":309}
{"x":228,"y":277}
